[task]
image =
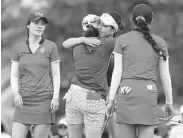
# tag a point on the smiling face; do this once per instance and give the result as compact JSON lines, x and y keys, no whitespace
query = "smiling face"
{"x":37,"y":27}
{"x":106,"y":30}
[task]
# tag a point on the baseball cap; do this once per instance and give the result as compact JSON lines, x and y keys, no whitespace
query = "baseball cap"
{"x":107,"y":19}
{"x":90,"y":19}
{"x":62,"y":121}
{"x":36,"y":16}
{"x":143,"y":10}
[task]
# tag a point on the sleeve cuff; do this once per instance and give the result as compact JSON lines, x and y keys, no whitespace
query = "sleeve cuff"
{"x":14,"y":61}
{"x":55,"y":61}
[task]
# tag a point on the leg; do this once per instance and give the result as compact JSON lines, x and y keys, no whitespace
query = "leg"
{"x":94,"y":118}
{"x":146,"y":131}
{"x":19,"y":130}
{"x":127,"y":131}
{"x":113,"y":127}
{"x":41,"y":131}
{"x":75,"y":130}
{"x":74,"y":119}
{"x":93,"y":132}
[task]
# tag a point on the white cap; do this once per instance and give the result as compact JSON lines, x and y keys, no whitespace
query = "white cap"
{"x":89,"y":20}
{"x":107,"y":19}
{"x":62,"y":121}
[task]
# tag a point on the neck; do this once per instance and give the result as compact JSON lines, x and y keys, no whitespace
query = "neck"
{"x":33,"y":39}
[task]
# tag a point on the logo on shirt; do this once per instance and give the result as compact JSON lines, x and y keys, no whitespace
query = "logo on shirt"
{"x":42,"y":50}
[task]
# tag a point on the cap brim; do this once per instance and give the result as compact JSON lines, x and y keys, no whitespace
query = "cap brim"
{"x":44,"y":18}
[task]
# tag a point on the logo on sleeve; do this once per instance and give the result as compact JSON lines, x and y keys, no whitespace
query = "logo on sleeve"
{"x":42,"y":50}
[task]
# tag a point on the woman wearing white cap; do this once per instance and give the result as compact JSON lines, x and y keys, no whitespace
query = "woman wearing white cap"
{"x":137,"y":56}
{"x":37,"y":98}
{"x":177,"y":131}
{"x":85,"y":100}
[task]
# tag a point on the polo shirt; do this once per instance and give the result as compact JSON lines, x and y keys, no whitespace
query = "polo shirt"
{"x":140,"y":60}
{"x":34,"y":68}
{"x":90,"y":68}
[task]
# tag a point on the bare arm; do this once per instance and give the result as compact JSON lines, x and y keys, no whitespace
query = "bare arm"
{"x":72,"y":42}
{"x":166,"y":79}
{"x":15,"y":77}
{"x":116,"y":75}
{"x":55,"y":69}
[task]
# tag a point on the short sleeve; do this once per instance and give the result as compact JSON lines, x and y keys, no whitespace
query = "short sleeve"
{"x":117,"y":47}
{"x":164,"y":48}
{"x":15,"y":55}
{"x":54,"y":57}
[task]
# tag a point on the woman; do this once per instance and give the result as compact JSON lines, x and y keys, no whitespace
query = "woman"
{"x":137,"y":55}
{"x":85,"y":99}
{"x":37,"y":99}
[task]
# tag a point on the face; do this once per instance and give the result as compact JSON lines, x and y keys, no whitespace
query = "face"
{"x":106,"y":30}
{"x":37,"y":27}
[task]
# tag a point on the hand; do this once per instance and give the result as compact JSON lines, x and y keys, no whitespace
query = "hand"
{"x":92,"y":41}
{"x":18,"y":101}
{"x":110,"y":108}
{"x":169,"y":111}
{"x":54,"y":105}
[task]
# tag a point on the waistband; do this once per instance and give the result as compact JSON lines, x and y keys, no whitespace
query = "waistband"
{"x":73,"y":86}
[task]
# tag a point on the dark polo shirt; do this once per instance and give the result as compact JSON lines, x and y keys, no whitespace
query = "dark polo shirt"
{"x":90,"y":69}
{"x":140,"y":60}
{"x":34,"y":68}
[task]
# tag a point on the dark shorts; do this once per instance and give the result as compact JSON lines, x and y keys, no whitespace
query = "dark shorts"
{"x":140,"y":105}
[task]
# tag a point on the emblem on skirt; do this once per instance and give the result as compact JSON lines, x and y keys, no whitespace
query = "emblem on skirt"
{"x":42,"y":50}
{"x":152,"y":87}
{"x":125,"y":90}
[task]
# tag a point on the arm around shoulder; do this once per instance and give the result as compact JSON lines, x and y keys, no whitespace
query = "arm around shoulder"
{"x":71,"y":42}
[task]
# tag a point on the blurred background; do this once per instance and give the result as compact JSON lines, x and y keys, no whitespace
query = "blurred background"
{"x":65,"y":18}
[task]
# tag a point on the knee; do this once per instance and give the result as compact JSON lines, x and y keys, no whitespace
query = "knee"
{"x":41,"y":131}
{"x":40,"y":135}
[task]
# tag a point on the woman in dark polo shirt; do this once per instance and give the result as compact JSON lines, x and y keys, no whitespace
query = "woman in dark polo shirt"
{"x":36,"y":96}
{"x":85,"y":99}
{"x":137,"y":55}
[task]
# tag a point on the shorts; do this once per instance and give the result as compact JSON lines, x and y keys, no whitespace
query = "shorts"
{"x":80,"y":110}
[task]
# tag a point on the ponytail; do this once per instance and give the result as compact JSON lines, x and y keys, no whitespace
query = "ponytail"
{"x":27,"y":32}
{"x":142,"y":27}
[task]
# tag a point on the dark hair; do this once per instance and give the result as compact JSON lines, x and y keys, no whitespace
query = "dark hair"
{"x":27,"y":30}
{"x":116,"y":16}
{"x":142,"y":26}
{"x":92,"y":32}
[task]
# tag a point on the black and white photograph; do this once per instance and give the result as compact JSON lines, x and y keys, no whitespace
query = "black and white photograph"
{"x":91,"y":68}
